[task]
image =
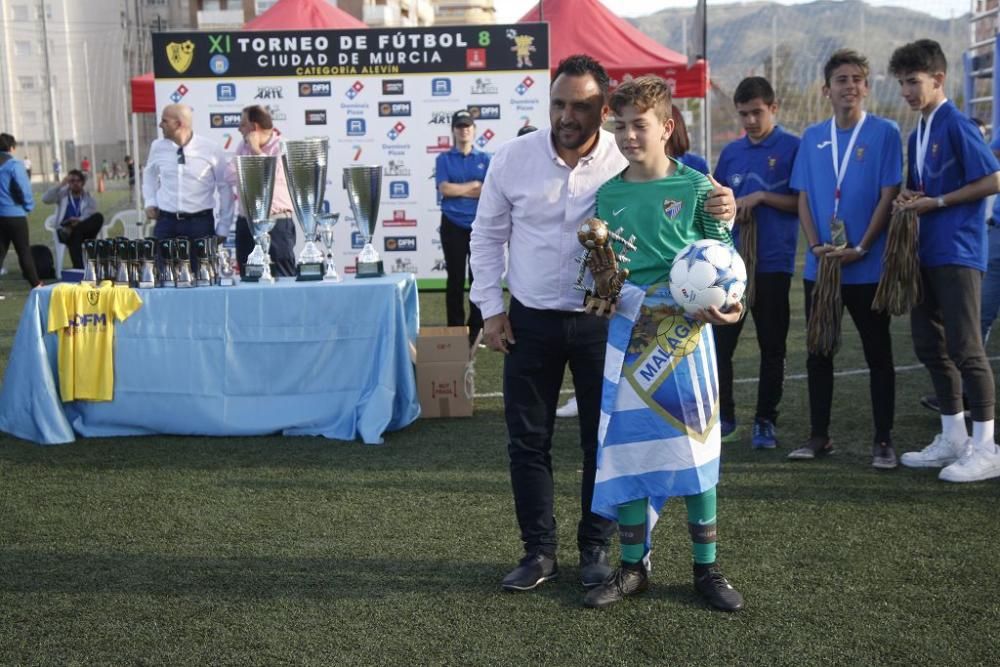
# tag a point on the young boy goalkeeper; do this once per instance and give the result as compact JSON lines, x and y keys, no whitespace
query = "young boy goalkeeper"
{"x":659,"y":433}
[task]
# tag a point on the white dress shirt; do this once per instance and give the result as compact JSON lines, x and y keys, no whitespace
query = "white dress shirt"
{"x":533,"y":200}
{"x":190,"y":187}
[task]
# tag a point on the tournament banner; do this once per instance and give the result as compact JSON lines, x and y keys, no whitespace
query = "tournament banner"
{"x":382,"y":96}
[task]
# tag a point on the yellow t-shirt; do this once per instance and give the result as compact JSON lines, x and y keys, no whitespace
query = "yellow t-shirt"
{"x":85,"y":316}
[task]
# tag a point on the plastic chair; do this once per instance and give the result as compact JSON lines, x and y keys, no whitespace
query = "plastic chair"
{"x":58,"y":246}
{"x":134,"y":224}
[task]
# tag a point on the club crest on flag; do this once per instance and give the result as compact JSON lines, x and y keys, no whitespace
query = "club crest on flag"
{"x":180,"y":55}
{"x":665,"y":364}
{"x":93,"y":296}
{"x":672,"y":207}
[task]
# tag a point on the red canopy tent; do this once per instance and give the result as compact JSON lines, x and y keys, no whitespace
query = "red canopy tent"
{"x":284,"y":15}
{"x":587,"y":26}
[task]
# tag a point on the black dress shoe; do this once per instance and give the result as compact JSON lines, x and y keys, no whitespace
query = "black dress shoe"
{"x":712,"y":585}
{"x":534,"y":569}
{"x":626,"y":580}
{"x":594,"y":567}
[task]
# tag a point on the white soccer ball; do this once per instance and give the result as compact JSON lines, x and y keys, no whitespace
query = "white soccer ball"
{"x":708,"y":273}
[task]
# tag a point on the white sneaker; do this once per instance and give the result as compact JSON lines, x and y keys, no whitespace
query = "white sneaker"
{"x":941,"y":452}
{"x":568,"y":409}
{"x":975,"y":464}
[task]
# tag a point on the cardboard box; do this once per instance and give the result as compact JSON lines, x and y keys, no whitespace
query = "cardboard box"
{"x":445,"y":372}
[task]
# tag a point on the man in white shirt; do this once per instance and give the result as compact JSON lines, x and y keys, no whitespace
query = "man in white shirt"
{"x":183,"y":174}
{"x":539,"y":189}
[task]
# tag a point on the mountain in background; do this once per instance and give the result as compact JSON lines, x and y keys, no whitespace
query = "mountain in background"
{"x":740,"y":39}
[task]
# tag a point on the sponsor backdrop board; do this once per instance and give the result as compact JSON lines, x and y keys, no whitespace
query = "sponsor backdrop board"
{"x":381,"y":96}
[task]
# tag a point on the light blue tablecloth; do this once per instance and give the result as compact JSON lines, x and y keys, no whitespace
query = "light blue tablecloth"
{"x":294,"y":358}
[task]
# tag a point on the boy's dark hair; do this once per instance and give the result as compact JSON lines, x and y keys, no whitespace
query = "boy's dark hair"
{"x":845,"y":57}
{"x":643,"y":93}
{"x":258,"y":114}
{"x":581,"y":65}
{"x":754,"y":88}
{"x":79,"y":174}
{"x":679,"y":143}
{"x":923,"y":55}
{"x":7,"y":142}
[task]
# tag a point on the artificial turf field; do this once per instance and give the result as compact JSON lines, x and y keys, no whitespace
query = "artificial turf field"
{"x":274,"y":550}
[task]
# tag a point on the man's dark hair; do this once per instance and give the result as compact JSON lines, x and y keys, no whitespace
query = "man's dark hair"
{"x":582,"y":65}
{"x":754,"y":88}
{"x":7,"y":142}
{"x":845,"y":57}
{"x":79,"y":174}
{"x":923,"y":55}
{"x":258,"y":114}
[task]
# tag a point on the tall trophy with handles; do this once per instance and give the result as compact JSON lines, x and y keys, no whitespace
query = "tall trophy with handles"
{"x":255,"y":185}
{"x":305,"y":164}
{"x":364,"y":192}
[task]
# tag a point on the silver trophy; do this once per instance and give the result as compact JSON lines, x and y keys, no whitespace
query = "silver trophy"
{"x":183,"y":275}
{"x":255,"y":185}
{"x":224,"y":274}
{"x":90,"y":262}
{"x":364,"y":191}
{"x":326,"y":236}
{"x":305,"y":163}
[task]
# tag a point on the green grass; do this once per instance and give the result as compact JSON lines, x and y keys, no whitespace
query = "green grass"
{"x":271,"y":550}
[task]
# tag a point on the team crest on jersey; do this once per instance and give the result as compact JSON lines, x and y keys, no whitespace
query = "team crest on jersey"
{"x":736,"y":179}
{"x":672,"y":207}
{"x":93,"y":296}
{"x":859,"y":153}
{"x":772,"y":162}
{"x":934,"y":150}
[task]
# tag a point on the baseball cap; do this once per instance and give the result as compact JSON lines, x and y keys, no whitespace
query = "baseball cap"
{"x":462,"y":119}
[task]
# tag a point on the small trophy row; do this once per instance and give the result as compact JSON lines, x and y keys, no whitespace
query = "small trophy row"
{"x":305,"y":164}
{"x":157,"y":263}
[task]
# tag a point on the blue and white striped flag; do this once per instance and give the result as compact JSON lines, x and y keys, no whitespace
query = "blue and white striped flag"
{"x":659,"y":434}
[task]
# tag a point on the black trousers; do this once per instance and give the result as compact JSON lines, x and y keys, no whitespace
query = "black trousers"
{"x":282,"y":249}
{"x":73,"y":236}
{"x":948,"y":340}
{"x":15,"y":230}
{"x":771,"y":317}
{"x":455,"y":244}
{"x":545,"y":341}
{"x":873,"y":328}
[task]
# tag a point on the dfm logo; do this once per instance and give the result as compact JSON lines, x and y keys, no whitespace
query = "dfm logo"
{"x":525,"y":84}
{"x":89,"y":319}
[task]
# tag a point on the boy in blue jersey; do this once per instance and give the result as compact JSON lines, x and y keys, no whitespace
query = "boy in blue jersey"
{"x":847,"y":172}
{"x":951,"y":172}
{"x":757,"y":168}
{"x":460,"y":174}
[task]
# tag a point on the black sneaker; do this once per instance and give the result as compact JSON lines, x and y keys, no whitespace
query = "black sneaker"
{"x":534,"y":569}
{"x":594,"y":567}
{"x":712,"y":585}
{"x":625,"y":581}
{"x":884,"y":456}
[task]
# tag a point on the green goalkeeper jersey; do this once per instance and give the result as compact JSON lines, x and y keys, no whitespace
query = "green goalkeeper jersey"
{"x":664,"y":215}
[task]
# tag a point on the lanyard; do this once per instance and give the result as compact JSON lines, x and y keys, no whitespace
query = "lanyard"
{"x":73,"y":206}
{"x":840,"y":166}
{"x":923,"y":141}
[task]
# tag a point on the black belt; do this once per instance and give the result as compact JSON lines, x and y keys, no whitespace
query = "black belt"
{"x":185,"y":216}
